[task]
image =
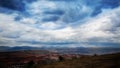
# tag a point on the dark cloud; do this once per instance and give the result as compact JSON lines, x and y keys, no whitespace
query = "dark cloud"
{"x":5,"y":10}
{"x":52,"y":15}
{"x":54,"y":12}
{"x":107,"y":44}
{"x":18,"y":18}
{"x":30,"y":1}
{"x":1,"y":30}
{"x":74,"y":16}
{"x":12,"y":4}
{"x":1,"y":42}
{"x":12,"y":36}
{"x":98,"y":5}
{"x":18,"y":5}
{"x":110,"y":3}
{"x":47,"y":43}
{"x":50,"y":18}
{"x":64,"y":0}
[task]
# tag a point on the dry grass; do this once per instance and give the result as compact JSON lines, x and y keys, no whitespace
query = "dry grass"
{"x":104,"y":61}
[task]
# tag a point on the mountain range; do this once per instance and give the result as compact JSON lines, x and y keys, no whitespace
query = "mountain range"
{"x":64,"y":50}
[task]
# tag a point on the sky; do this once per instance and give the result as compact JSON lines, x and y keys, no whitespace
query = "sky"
{"x":60,"y":23}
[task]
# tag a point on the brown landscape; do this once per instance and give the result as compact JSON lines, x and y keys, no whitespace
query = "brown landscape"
{"x":47,"y":59}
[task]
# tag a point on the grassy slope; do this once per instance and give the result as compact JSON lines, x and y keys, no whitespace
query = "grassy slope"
{"x":104,"y":61}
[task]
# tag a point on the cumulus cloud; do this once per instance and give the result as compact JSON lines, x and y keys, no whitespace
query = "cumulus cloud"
{"x":15,"y":31}
{"x":103,"y":28}
{"x":71,"y":23}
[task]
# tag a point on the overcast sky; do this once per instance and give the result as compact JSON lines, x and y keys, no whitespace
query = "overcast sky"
{"x":60,"y":23}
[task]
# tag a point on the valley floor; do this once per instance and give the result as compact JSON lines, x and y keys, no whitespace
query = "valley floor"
{"x":103,"y":61}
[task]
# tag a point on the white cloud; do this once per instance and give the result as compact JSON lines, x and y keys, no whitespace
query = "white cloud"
{"x":50,"y":25}
{"x":103,"y":28}
{"x":38,"y":7}
{"x":26,"y":32}
{"x":65,"y":33}
{"x":28,"y":21}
